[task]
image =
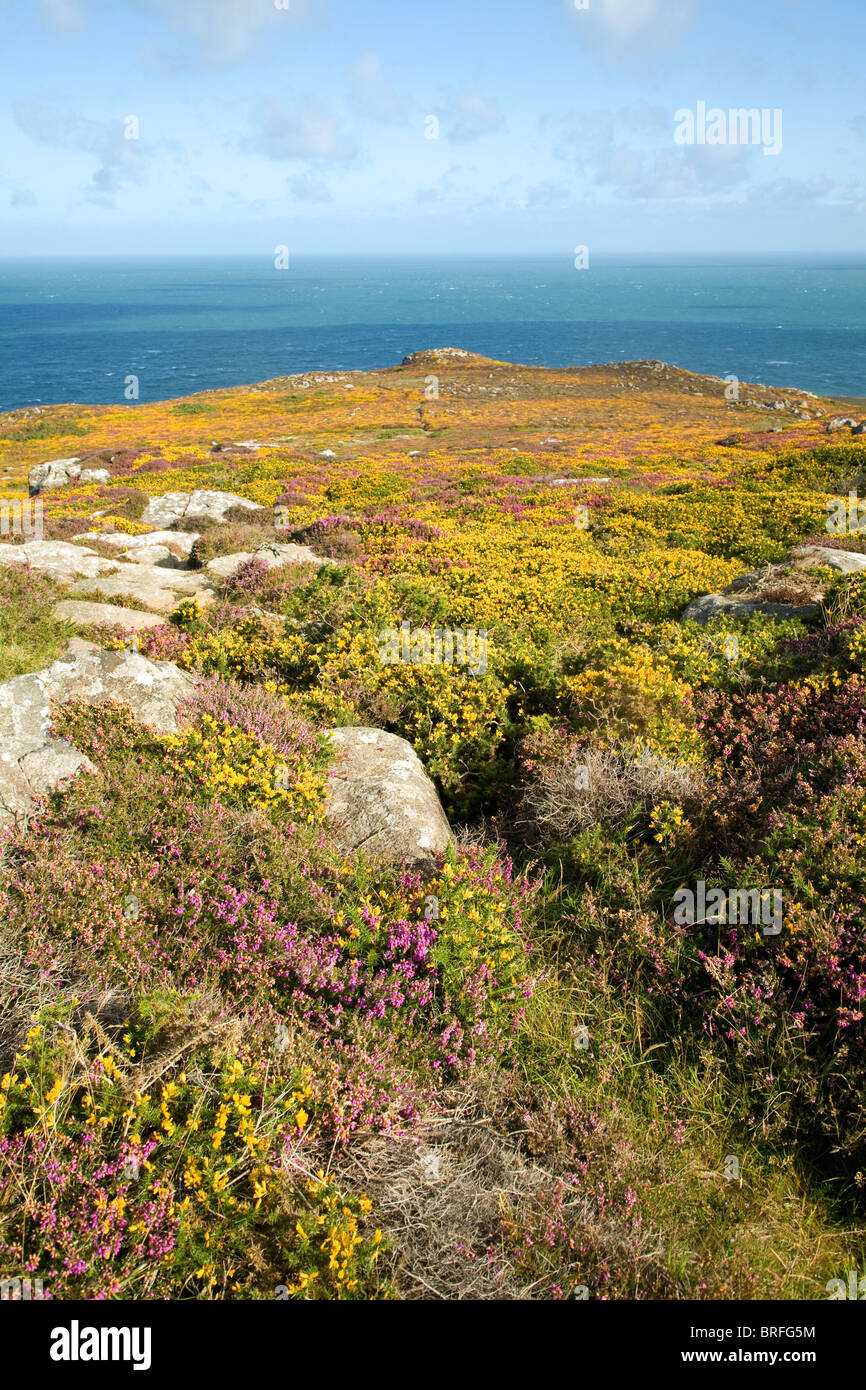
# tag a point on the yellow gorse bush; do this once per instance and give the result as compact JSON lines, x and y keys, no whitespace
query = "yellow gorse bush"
{"x":238,"y":767}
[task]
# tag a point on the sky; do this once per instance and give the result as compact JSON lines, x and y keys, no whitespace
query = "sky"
{"x":483,"y":127}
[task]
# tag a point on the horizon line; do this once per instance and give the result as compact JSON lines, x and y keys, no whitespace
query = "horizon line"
{"x":417,"y":255}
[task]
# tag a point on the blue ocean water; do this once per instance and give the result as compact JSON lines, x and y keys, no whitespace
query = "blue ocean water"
{"x":74,"y":330}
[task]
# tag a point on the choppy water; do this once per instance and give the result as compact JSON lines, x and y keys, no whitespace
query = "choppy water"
{"x":74,"y":330}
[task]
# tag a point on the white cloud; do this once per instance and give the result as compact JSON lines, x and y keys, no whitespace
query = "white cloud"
{"x":309,"y":132}
{"x":625,"y":27}
{"x":788,"y":197}
{"x":631,"y":152}
{"x":213,"y":33}
{"x":441,"y":188}
{"x":223,"y":30}
{"x":309,"y":189}
{"x":63,"y":15}
{"x":549,"y":193}
{"x":470,"y":116}
{"x":374,"y":94}
{"x":119,"y":161}
{"x":685,"y":173}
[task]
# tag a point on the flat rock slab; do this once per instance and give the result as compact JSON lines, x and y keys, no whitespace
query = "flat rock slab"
{"x":848,"y":561}
{"x":32,"y":761}
{"x":205,"y":503}
{"x":60,"y":559}
{"x":153,"y":555}
{"x":160,"y":588}
{"x":382,"y":802}
{"x":85,"y":614}
{"x":180,"y":543}
{"x":709,"y":606}
{"x":273,"y":555}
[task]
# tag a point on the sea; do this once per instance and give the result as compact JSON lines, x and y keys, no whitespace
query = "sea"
{"x":78,"y":330}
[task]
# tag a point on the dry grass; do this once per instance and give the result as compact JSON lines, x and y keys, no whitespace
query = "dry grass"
{"x":457,"y":1195}
{"x":592,"y":786}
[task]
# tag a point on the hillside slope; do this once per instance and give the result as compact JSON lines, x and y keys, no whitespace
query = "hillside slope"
{"x":605,"y":1040}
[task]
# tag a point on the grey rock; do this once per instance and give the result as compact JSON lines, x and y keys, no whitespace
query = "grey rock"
{"x":152,"y":689}
{"x":839,"y":422}
{"x":221,"y":566}
{"x":443,"y":354}
{"x":847,"y":561}
{"x":110,"y":614}
{"x":60,"y":559}
{"x":160,"y":588}
{"x":709,"y":606}
{"x":32,"y":761}
{"x":54,"y":473}
{"x":274,"y":554}
{"x":61,"y":472}
{"x":152,"y":555}
{"x":179,"y":543}
{"x":279,"y":553}
{"x":381,"y":801}
{"x":28,"y":772}
{"x":204,"y":503}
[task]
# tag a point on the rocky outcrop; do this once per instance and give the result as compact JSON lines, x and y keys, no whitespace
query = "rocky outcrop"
{"x":841,"y":422}
{"x":108,"y":614}
{"x":61,"y":472}
{"x":709,"y":606}
{"x":60,"y":559}
{"x":775,"y":590}
{"x":152,"y":547}
{"x":160,"y":588}
{"x":846,"y":561}
{"x":149,"y":579}
{"x":32,"y":761}
{"x":381,"y":801}
{"x":274,"y":555}
{"x":204,"y":504}
{"x":438,"y":355}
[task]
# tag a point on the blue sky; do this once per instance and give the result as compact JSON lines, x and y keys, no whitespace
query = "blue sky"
{"x":307,"y":126}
